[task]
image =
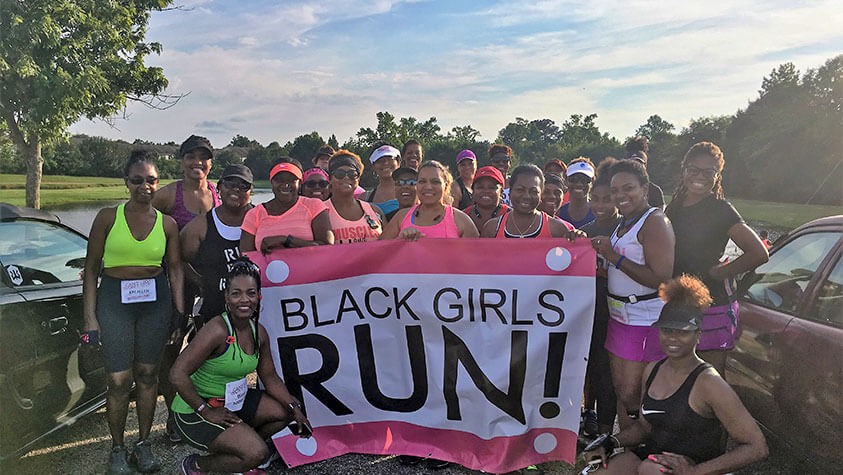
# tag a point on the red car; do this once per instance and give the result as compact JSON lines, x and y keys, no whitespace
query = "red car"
{"x":787,"y":365}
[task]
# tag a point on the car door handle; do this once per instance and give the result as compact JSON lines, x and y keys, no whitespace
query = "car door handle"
{"x":56,"y":325}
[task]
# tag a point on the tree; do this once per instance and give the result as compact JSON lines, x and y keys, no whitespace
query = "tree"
{"x":243,"y":141}
{"x":655,"y":128}
{"x":304,"y":147}
{"x":60,"y":61}
{"x":396,"y":133}
{"x":333,"y":142}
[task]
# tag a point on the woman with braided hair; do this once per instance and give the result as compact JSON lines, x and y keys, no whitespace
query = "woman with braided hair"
{"x":703,"y":222}
{"x":214,"y":410}
{"x":685,"y":403}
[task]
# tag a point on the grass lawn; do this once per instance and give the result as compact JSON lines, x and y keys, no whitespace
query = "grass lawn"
{"x":59,"y":190}
{"x":782,"y":216}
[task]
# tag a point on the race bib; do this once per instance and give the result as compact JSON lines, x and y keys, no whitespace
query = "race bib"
{"x":136,"y":291}
{"x":235,"y":394}
{"x":617,"y":310}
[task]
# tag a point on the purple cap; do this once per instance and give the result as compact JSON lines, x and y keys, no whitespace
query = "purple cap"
{"x":466,"y":155}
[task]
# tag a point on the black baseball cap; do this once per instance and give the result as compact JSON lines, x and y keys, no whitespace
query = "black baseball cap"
{"x":238,"y":171}
{"x":193,"y":142}
{"x":400,"y":171}
{"x":679,"y":317}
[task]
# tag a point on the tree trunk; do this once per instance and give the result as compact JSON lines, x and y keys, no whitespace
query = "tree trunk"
{"x":34,"y":163}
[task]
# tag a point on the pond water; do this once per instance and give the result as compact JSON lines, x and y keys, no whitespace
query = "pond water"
{"x":80,"y":216}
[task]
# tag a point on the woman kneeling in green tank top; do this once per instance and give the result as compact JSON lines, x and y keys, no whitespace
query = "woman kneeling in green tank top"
{"x":214,"y":410}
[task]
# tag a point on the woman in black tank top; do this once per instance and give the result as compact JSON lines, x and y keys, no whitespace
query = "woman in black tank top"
{"x":686,"y":405}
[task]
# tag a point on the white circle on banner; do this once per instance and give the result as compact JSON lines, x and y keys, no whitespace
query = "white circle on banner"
{"x":558,"y":259}
{"x":545,"y":443}
{"x":306,"y":447}
{"x":277,"y":271}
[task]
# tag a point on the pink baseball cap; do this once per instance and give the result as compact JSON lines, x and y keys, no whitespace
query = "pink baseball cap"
{"x":466,"y":155}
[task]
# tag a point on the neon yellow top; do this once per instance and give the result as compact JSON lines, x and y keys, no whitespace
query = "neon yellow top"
{"x":122,"y":249}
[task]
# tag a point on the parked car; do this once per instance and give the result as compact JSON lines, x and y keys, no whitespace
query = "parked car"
{"x":787,"y":365}
{"x":46,"y":380}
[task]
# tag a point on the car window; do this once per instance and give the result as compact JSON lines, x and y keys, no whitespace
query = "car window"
{"x":37,"y":253}
{"x":781,"y":281}
{"x":829,"y":305}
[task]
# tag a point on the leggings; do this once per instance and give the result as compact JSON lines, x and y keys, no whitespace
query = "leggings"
{"x":136,"y":332}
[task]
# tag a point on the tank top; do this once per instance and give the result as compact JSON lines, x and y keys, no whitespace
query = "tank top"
{"x":676,"y":427}
{"x":543,"y":231}
{"x":565,"y":215}
{"x":217,"y":251}
{"x":466,"y":199}
{"x":296,"y":221}
{"x":447,"y":228}
{"x":234,"y":364}
{"x":122,"y":249}
{"x":367,"y":228}
{"x":645,"y":310}
{"x":386,"y":207}
{"x":180,"y":213}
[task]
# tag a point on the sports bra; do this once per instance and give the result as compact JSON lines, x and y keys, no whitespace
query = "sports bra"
{"x":122,"y":249}
{"x":543,"y":231}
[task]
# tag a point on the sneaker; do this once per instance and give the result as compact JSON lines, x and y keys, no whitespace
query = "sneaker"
{"x":189,"y":467}
{"x":172,"y":431}
{"x":434,"y":464}
{"x":143,"y":460}
{"x":118,"y":462}
{"x":590,"y":427}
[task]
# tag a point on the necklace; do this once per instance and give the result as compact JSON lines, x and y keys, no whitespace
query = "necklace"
{"x":626,"y":224}
{"x":494,"y":214}
{"x":521,"y":233}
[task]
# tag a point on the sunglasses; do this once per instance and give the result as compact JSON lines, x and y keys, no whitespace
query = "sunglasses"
{"x":406,"y":182}
{"x":579,"y":178}
{"x":706,"y":172}
{"x":139,"y":180}
{"x":340,"y":174}
{"x":316,"y":184}
{"x":372,"y":222}
{"x":236,"y":184}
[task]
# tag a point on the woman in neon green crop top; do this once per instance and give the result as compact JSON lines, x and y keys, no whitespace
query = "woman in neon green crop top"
{"x":131,"y":311}
{"x":214,"y":411}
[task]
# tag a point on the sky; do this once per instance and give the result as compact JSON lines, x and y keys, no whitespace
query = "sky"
{"x":273,"y":70}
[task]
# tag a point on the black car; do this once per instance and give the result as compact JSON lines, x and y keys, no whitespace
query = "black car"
{"x":46,"y":380}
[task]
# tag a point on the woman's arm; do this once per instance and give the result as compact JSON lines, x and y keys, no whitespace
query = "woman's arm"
{"x":390,"y":231}
{"x":93,"y":265}
{"x":190,"y":239}
{"x":175,"y":271}
{"x":247,"y":241}
{"x":322,"y":233}
{"x":465,"y":225}
{"x":754,"y":253}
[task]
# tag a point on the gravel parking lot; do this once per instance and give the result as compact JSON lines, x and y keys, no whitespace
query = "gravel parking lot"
{"x":82,"y":449}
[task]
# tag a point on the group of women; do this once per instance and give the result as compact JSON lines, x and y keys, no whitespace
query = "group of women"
{"x":139,"y":304}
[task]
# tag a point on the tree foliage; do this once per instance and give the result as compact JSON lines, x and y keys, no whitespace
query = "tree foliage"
{"x":63,"y":60}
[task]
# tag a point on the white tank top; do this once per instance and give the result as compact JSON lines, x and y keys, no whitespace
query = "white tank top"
{"x":643,"y":312}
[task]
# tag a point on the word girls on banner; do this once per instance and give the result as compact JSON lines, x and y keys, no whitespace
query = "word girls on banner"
{"x":466,"y":350}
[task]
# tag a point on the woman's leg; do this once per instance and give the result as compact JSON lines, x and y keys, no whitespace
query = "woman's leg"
{"x":626,"y":378}
{"x":625,"y":463}
{"x":146,"y":389}
{"x":238,"y":449}
{"x":117,"y":404}
{"x":270,"y":417}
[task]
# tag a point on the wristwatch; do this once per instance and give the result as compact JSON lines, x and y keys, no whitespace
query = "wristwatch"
{"x":289,"y":241}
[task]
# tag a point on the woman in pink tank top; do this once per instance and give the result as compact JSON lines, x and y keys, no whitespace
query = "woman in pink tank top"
{"x":352,"y":220}
{"x":433,"y":217}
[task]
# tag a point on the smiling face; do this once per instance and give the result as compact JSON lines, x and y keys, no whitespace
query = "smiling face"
{"x":602,"y":204}
{"x":242,"y":296}
{"x":344,"y":180}
{"x":629,"y":195}
{"x":678,"y":343}
{"x":235,"y":192}
{"x":699,"y":175}
{"x":551,"y":199}
{"x":316,"y":186}
{"x":486,"y":193}
{"x":384,"y":167}
{"x":142,"y":182}
{"x":431,"y":186}
{"x":579,"y":185}
{"x":525,"y":193}
{"x":502,"y":162}
{"x":413,"y":156}
{"x":196,"y":164}
{"x":285,"y":187}
{"x":405,"y":189}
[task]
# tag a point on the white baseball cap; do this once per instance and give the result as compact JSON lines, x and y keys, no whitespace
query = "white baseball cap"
{"x":384,"y":151}
{"x":580,"y":167}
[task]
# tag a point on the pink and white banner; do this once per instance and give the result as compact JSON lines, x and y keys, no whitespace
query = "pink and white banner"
{"x":471,"y":351}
